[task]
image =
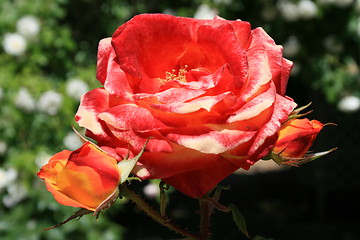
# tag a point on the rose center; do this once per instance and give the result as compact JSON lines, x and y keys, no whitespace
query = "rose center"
{"x":173,"y":76}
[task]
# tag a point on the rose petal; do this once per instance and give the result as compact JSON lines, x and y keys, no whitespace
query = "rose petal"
{"x":104,"y":51}
{"x":243,"y":32}
{"x":282,"y":108}
{"x":54,"y":166}
{"x":280,"y":67}
{"x":215,"y":44}
{"x":130,"y":116}
{"x":255,"y":107}
{"x":92,"y":103}
{"x":259,"y":72}
{"x":166,"y":164}
{"x":213,"y":142}
{"x":197,"y":183}
{"x":147,"y":50}
{"x":71,"y":178}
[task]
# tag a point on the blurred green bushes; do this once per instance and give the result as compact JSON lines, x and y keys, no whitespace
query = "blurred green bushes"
{"x":48,"y":60}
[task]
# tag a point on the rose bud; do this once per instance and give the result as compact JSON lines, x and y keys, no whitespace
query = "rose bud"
{"x":82,"y":178}
{"x":296,"y":137}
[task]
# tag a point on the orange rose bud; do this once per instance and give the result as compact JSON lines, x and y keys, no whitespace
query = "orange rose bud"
{"x":82,"y":178}
{"x":296,"y":137}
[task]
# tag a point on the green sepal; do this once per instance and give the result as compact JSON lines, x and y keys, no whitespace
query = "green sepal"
{"x":276,"y":157}
{"x":78,"y":214}
{"x":127,"y":165}
{"x":296,"y":112}
{"x":108,"y":202}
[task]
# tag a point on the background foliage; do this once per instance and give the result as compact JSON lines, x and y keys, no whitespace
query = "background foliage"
{"x":41,"y":85}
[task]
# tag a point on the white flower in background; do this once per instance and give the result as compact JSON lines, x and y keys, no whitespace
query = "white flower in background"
{"x":349,"y":104}
{"x":151,"y":190}
{"x":357,"y":5}
{"x":307,"y":9}
{"x":28,"y":26}
{"x":333,"y":45}
{"x":291,"y":46}
{"x":7,"y":177}
{"x":205,"y":12}
{"x":288,"y":10}
{"x":169,"y":11}
{"x":75,"y":88}
{"x":24,"y":100}
{"x":50,"y":102}
{"x":226,"y":2}
{"x":42,"y":158}
{"x":71,"y":141}
{"x":352,"y":68}
{"x":3,"y":147}
{"x":16,"y":193}
{"x":343,"y":3}
{"x":14,"y":44}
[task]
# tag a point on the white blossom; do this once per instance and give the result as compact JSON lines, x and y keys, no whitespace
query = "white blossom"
{"x":7,"y":177}
{"x":343,"y":3}
{"x":307,"y":9}
{"x":288,"y":10}
{"x":14,"y":44}
{"x":75,"y":88}
{"x":50,"y":102}
{"x":205,"y":12}
{"x":28,"y":26}
{"x":349,"y":104}
{"x":71,"y":141}
{"x":151,"y":190}
{"x":357,"y":5}
{"x":16,"y":193}
{"x":24,"y":100}
{"x":169,"y":11}
{"x":291,"y":47}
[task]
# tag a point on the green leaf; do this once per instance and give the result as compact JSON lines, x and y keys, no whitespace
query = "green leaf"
{"x":239,"y":220}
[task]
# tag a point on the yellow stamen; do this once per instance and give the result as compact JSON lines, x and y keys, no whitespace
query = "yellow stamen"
{"x":172,"y":76}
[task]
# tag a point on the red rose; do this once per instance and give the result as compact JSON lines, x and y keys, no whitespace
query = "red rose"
{"x":209,"y":92}
{"x":296,"y":137}
{"x":83,"y":178}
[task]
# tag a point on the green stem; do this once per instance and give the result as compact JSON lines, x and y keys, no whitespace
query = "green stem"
{"x":156,"y":216}
{"x":204,"y":218}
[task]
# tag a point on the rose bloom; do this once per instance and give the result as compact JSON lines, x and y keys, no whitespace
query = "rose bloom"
{"x":82,"y":178}
{"x":210,"y":93}
{"x":296,"y":137}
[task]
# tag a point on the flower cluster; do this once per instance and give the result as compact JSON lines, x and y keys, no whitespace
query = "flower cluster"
{"x":27,"y":28}
{"x":194,"y":100}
